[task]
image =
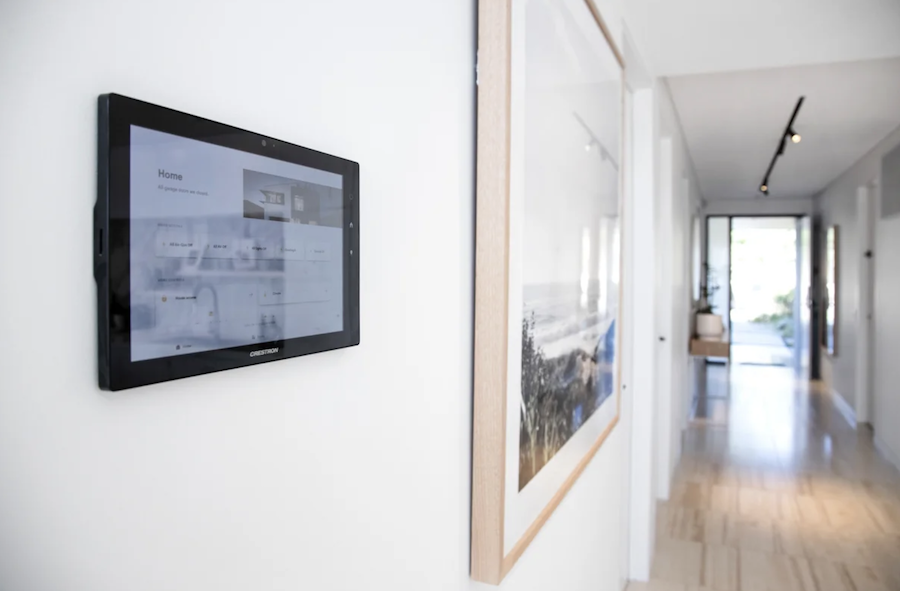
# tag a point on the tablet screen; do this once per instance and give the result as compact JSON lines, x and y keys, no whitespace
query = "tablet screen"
{"x":229,"y":248}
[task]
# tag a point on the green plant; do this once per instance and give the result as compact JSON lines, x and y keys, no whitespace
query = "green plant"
{"x":783,"y":318}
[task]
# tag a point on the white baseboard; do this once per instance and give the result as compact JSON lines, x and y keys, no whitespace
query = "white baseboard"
{"x":887,"y":452}
{"x":845,"y":409}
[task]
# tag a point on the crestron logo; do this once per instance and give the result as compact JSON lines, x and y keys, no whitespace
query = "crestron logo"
{"x":263,"y":352}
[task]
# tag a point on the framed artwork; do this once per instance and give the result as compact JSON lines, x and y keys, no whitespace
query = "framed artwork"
{"x":548,"y":264}
{"x":829,"y":329}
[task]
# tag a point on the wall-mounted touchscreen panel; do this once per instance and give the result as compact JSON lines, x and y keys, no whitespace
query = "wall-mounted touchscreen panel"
{"x":229,"y":248}
{"x":226,"y":248}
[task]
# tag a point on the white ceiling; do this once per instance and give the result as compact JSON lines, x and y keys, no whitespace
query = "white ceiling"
{"x":702,"y":36}
{"x":732,"y":122}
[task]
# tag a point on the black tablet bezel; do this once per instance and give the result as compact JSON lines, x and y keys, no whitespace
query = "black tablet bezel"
{"x":112,"y":244}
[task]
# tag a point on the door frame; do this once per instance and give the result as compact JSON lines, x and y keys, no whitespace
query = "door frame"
{"x":704,"y":253}
{"x":815,"y":366}
{"x":663,"y":316}
{"x":867,"y":226}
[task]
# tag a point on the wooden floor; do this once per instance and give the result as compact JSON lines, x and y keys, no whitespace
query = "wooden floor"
{"x":776,"y":492}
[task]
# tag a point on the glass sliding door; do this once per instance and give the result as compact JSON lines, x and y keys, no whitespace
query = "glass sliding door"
{"x":716,"y":277}
{"x":764,"y":290}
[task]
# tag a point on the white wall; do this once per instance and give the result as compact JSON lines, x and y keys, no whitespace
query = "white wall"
{"x":665,"y":196}
{"x":758,"y":206}
{"x":838,"y":205}
{"x":674,"y":253}
{"x":645,"y":436}
{"x":344,"y":470}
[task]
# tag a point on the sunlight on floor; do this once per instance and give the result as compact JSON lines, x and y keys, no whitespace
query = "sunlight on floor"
{"x":776,"y":492}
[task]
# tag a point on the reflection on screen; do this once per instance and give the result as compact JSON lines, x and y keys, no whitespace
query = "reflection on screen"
{"x":229,"y":248}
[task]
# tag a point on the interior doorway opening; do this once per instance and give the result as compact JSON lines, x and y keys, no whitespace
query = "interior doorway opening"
{"x":757,"y":275}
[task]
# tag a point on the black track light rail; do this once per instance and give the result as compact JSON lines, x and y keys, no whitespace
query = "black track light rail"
{"x":788,"y":132}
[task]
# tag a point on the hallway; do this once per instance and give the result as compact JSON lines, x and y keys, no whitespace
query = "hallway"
{"x":776,"y":492}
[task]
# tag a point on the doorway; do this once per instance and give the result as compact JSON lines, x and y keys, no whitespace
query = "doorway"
{"x":758,"y":274}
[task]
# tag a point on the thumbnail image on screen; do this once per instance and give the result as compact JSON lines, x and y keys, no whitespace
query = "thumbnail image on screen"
{"x":229,"y":248}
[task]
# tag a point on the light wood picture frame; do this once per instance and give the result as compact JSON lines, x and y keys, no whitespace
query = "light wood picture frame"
{"x":517,"y":481}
